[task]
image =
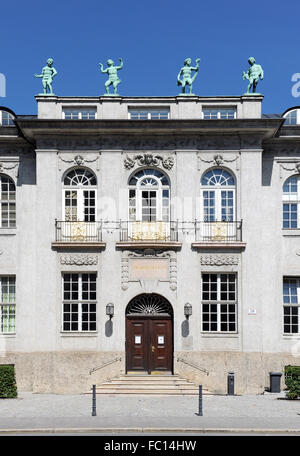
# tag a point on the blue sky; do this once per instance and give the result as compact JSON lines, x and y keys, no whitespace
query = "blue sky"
{"x":153,"y":37}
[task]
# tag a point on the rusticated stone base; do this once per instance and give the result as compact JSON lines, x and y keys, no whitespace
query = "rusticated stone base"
{"x":69,"y":372}
{"x":252,"y":370}
{"x":63,"y":372}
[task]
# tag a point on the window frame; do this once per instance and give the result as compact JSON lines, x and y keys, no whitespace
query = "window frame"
{"x":289,"y":199}
{"x":80,"y":197}
{"x":11,"y":223}
{"x":149,"y":112}
{"x":79,"y":302}
{"x":159,"y":190}
{"x":10,"y":116}
{"x":291,"y":306}
{"x":80,"y":110}
{"x":217,"y":192}
{"x":218,"y":302}
{"x":218,"y":110}
{"x":9,"y":304}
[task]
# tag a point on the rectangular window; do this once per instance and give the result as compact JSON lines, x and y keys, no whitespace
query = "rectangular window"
{"x":290,"y":215}
{"x":219,"y":113}
{"x":291,"y":291}
{"x":149,"y":114}
{"x":79,"y":302}
{"x":7,"y":304}
{"x":79,"y":114}
{"x":219,"y":303}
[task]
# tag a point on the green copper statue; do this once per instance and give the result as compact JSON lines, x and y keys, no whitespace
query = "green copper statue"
{"x":187,"y":78}
{"x":48,"y":73}
{"x":254,"y":73}
{"x":113,"y":78}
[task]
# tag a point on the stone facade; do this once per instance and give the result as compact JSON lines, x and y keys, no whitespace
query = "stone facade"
{"x":37,"y":154}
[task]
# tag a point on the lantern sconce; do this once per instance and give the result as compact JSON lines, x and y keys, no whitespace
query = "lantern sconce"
{"x":110,"y":309}
{"x":188,"y":310}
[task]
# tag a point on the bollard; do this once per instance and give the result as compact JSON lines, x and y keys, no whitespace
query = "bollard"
{"x":230,"y":384}
{"x":200,"y":401}
{"x":94,"y":401}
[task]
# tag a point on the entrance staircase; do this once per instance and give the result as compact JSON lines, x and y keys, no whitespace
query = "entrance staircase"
{"x":169,"y":385}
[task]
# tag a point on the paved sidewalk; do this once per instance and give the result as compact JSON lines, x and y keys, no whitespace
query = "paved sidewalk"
{"x":63,"y":413}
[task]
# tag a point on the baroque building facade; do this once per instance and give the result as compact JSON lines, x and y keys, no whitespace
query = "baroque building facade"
{"x":149,"y":234}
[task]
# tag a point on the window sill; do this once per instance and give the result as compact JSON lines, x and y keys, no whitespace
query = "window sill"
{"x":220,"y":335}
{"x":291,"y":336}
{"x":7,"y":335}
{"x":290,"y":232}
{"x":78,"y":333}
{"x":8,"y":231}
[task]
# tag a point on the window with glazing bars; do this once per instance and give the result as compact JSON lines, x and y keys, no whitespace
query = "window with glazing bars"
{"x":79,"y":302}
{"x":6,"y":119}
{"x":219,"y":303}
{"x":218,"y":113}
{"x":144,"y":114}
{"x":291,"y":294}
{"x":7,"y":202}
{"x":79,"y":114}
{"x":7,"y":304}
{"x":291,"y":203}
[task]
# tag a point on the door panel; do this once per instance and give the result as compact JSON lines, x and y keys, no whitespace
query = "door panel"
{"x":149,"y":344}
{"x":137,"y":345}
{"x":161,"y":344}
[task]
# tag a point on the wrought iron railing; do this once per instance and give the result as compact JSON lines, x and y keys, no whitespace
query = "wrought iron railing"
{"x":106,"y":364}
{"x":195,"y":366}
{"x":148,"y":231}
{"x":218,"y":231}
{"x":78,"y":231}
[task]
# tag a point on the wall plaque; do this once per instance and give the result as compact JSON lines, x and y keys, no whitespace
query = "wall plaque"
{"x":149,"y":269}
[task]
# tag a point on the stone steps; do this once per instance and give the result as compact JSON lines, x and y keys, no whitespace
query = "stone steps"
{"x":149,"y":385}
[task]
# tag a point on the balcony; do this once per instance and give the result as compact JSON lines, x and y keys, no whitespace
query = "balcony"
{"x":78,"y":234}
{"x":148,"y":234}
{"x":218,"y":234}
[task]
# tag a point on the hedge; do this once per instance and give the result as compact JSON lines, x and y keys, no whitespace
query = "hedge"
{"x":8,"y":386}
{"x":292,"y":381}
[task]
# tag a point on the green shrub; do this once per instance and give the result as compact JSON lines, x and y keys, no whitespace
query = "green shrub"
{"x":8,"y":386}
{"x":292,"y":381}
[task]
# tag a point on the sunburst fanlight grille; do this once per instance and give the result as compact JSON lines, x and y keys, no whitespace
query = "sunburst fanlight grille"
{"x":151,"y":304}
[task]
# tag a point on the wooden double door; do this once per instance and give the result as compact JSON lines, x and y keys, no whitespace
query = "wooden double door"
{"x":149,"y":343}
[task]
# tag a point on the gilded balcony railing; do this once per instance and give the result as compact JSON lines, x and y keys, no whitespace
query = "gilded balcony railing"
{"x":77,"y":231}
{"x":218,"y":231}
{"x":160,"y":231}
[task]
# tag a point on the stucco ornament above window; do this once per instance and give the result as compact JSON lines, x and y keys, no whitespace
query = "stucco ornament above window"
{"x":294,"y":167}
{"x":217,"y":160}
{"x":166,"y":161}
{"x":79,"y":160}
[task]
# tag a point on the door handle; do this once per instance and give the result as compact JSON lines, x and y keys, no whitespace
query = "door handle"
{"x":153,"y":348}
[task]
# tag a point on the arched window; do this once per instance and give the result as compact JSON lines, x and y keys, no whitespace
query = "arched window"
{"x":290,"y":203}
{"x":218,"y":196}
{"x":79,"y":196}
{"x":149,"y":196}
{"x":8,"y":202}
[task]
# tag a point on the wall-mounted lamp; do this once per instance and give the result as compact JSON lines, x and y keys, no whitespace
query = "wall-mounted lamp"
{"x":188,"y":310}
{"x":110,"y":309}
